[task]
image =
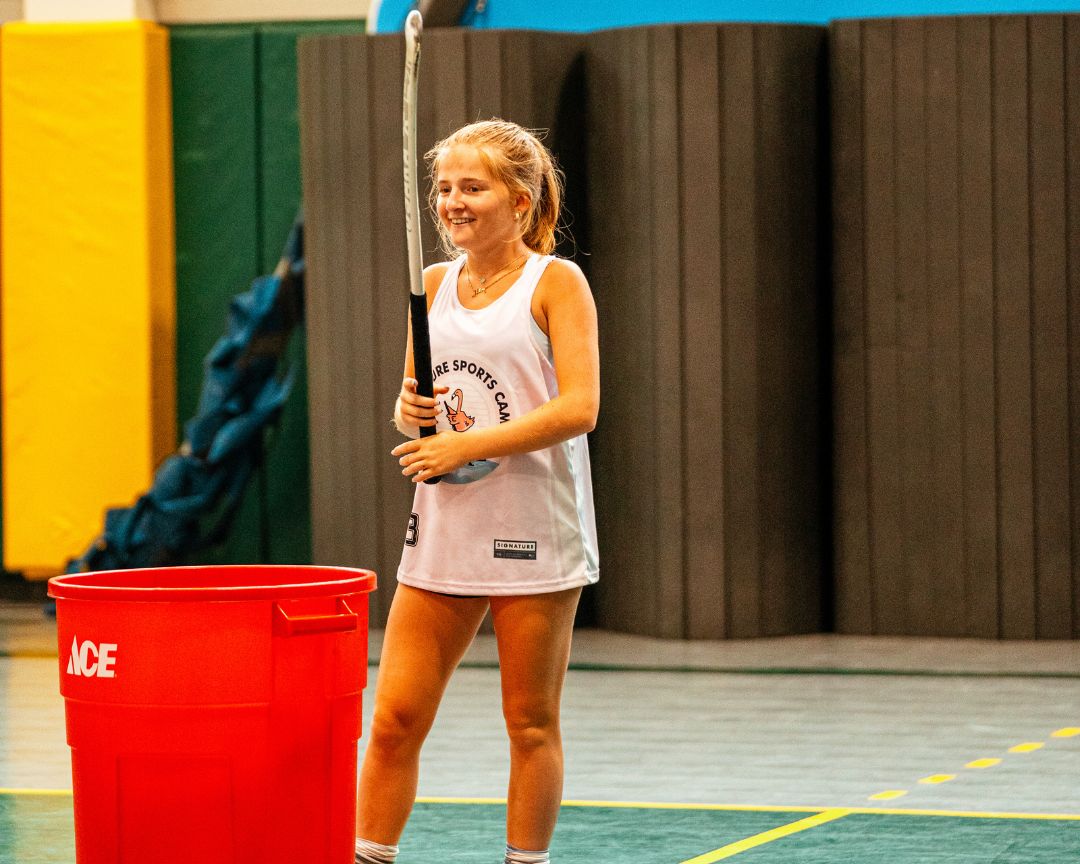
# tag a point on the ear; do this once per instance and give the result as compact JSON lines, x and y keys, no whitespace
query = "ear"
{"x":522,"y":203}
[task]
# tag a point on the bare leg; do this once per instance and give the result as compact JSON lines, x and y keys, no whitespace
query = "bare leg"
{"x":426,"y":636}
{"x":534,"y":634}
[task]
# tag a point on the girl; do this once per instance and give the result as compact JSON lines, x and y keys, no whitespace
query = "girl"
{"x":514,"y":340}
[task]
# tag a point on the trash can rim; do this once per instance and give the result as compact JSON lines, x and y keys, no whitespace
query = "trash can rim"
{"x":213,"y":583}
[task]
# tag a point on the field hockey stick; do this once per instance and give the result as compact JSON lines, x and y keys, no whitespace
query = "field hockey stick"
{"x":421,"y":341}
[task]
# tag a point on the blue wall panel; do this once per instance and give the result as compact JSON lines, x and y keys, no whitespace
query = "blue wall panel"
{"x":575,"y":15}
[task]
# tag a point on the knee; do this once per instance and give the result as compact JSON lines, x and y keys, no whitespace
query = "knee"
{"x":532,"y":726}
{"x":396,"y":728}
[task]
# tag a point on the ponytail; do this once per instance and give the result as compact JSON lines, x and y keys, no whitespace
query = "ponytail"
{"x":542,"y":220}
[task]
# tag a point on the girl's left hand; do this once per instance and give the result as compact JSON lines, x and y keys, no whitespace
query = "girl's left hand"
{"x":424,"y":458}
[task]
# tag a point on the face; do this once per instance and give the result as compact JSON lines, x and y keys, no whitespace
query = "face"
{"x":476,"y":209}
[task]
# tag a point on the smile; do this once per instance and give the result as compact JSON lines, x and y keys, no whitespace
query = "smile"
{"x":461,"y":221}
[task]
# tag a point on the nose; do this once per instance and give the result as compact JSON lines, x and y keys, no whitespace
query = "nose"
{"x":453,"y":200}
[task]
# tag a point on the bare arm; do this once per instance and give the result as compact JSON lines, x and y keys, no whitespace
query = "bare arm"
{"x":564,"y":308}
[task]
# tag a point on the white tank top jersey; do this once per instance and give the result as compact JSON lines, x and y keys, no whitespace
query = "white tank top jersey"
{"x":527,"y":527}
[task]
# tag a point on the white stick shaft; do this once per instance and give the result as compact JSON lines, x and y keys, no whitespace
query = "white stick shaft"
{"x":414,"y":25}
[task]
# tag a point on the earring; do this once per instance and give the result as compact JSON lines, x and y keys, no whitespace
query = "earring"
{"x":517,"y":215}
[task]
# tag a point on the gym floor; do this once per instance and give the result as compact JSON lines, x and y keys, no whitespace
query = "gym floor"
{"x":794,"y":750}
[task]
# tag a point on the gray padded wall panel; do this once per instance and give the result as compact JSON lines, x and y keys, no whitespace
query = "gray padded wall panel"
{"x":706,"y":157}
{"x":956,"y":202}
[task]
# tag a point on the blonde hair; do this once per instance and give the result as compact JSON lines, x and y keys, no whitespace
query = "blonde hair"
{"x":517,"y":158}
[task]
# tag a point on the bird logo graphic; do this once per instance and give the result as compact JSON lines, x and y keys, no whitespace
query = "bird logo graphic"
{"x":457,"y":418}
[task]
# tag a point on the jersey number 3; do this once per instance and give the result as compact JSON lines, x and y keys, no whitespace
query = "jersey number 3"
{"x":413,"y":533}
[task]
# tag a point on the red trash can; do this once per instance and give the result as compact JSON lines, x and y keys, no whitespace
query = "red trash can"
{"x":213,"y":713}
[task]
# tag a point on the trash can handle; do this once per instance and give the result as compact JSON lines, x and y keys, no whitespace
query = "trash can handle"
{"x":341,"y":621}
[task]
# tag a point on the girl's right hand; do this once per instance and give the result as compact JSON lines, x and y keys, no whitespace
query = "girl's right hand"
{"x":417,"y":410}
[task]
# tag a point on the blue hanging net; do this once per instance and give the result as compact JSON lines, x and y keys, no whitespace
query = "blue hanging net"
{"x":197,"y":491}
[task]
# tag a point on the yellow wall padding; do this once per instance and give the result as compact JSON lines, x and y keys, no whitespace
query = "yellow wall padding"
{"x":87,"y":319}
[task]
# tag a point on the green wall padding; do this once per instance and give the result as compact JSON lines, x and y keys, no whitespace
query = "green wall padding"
{"x":217,"y":205}
{"x":237,"y":169}
{"x":215,"y":125}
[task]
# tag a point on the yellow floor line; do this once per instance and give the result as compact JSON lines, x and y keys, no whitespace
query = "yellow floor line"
{"x":969,"y":814}
{"x":989,"y":762}
{"x":768,"y":836}
{"x":888,"y":795}
{"x":49,"y":792}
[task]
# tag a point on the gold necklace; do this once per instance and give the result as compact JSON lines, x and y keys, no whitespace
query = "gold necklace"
{"x":487,"y":281}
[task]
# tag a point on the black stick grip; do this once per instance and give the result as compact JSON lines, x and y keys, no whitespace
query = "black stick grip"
{"x":421,"y":349}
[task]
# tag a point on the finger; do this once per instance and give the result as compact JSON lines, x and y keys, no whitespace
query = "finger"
{"x":415,"y":400}
{"x":420,"y":417}
{"x":405,"y":447}
{"x":408,"y":397}
{"x":408,"y":385}
{"x":417,"y":410}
